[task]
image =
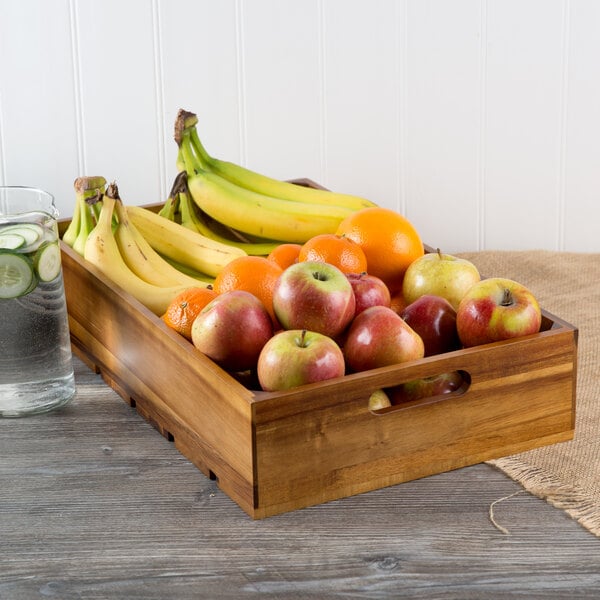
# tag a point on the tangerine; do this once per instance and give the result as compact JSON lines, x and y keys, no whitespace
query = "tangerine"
{"x":285,"y":255}
{"x":388,"y":239}
{"x":185,"y":307}
{"x":254,"y":274}
{"x":337,"y":250}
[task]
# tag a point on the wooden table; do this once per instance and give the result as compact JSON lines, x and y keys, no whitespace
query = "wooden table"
{"x":95,"y":504}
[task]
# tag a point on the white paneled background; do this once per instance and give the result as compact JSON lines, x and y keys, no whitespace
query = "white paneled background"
{"x":477,"y":119}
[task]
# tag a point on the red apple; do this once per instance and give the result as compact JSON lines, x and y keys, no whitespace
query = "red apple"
{"x":441,"y":275}
{"x":296,"y":357}
{"x":315,"y":296}
{"x":426,"y":387}
{"x":232,"y":330}
{"x":434,"y":319}
{"x":368,"y":291}
{"x":379,"y":337}
{"x":497,"y":309}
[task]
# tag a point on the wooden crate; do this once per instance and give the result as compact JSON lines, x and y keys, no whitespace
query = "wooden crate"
{"x":280,"y":451}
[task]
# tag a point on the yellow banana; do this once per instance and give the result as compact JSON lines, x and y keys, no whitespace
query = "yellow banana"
{"x":193,"y":219}
{"x":264,"y":216}
{"x":181,"y":244}
{"x":260,"y":183}
{"x":143,"y":260}
{"x":102,"y":251}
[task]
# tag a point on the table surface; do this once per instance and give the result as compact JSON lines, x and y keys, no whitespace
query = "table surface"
{"x":95,"y":504}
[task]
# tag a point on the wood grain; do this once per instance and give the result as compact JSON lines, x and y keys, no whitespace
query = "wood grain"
{"x":95,"y":505}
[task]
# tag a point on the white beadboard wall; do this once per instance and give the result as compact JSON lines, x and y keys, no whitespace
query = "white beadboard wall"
{"x":477,"y":119}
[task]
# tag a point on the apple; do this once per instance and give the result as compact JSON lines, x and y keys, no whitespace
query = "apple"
{"x":434,"y":319}
{"x":296,"y":357}
{"x":315,"y":296}
{"x":379,"y":399}
{"x":497,"y":309}
{"x":232,"y":330}
{"x":441,"y":275}
{"x":426,"y":387}
{"x":368,"y":291}
{"x":379,"y":337}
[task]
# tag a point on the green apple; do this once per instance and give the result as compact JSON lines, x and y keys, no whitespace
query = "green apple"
{"x":379,"y":399}
{"x":440,"y":275}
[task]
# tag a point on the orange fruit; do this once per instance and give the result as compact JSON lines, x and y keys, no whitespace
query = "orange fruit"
{"x":285,"y":255}
{"x":185,"y":307}
{"x":254,"y":274}
{"x":398,"y":303}
{"x":389,"y":240}
{"x":337,"y":250}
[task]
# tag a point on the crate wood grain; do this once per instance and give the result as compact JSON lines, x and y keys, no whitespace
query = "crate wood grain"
{"x":280,"y":451}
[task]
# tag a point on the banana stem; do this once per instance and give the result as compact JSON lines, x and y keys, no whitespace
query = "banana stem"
{"x":203,"y":156}
{"x":171,"y":207}
{"x":72,"y":231}
{"x":192,"y":164}
{"x":86,"y":223}
{"x":85,"y":187}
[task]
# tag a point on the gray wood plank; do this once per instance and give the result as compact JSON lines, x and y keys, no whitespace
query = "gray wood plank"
{"x":95,"y":504}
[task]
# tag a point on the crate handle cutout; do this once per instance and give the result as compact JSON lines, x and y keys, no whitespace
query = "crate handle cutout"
{"x":424,"y":391}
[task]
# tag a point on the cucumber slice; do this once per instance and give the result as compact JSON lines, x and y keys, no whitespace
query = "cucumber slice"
{"x":31,"y":232}
{"x":11,"y":241}
{"x":17,"y":276}
{"x":47,"y":261}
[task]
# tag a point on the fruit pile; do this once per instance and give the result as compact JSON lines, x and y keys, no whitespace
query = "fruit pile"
{"x":286,"y":285}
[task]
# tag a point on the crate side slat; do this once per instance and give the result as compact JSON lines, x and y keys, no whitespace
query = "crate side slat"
{"x":179,"y":388}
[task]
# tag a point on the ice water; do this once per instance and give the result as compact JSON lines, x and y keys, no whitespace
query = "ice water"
{"x":36,"y":370}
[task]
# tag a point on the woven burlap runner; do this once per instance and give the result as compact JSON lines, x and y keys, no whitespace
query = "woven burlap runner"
{"x":567,"y":475}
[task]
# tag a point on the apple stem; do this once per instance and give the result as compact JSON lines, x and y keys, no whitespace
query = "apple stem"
{"x":507,"y":298}
{"x":302,"y":339}
{"x":439,"y":253}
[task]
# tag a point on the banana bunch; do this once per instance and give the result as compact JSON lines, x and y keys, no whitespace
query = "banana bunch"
{"x":88,"y":194}
{"x":253,"y":204}
{"x":104,"y":232}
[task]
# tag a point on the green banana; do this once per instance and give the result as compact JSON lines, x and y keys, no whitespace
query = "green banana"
{"x":261,"y":183}
{"x":254,"y":213}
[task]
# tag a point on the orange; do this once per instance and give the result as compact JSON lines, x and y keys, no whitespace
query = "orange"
{"x":337,"y":250}
{"x":398,"y":302}
{"x":254,"y":274}
{"x":389,"y":240}
{"x":285,"y":255}
{"x":185,"y":307}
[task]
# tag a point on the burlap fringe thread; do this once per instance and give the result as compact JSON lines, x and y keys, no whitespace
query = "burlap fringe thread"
{"x":567,"y":497}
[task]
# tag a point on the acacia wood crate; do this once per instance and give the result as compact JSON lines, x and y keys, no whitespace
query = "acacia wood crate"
{"x":273,"y":452}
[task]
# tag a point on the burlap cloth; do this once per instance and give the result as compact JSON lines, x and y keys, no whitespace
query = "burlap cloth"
{"x":567,"y":475}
